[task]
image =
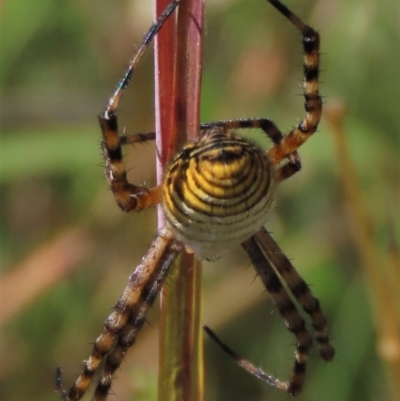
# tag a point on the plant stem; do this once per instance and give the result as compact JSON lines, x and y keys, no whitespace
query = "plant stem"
{"x":178,"y":78}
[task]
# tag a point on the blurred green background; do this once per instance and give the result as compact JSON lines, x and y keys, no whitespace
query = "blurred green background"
{"x":66,"y":249}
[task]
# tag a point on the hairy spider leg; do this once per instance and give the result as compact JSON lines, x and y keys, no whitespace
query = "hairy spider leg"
{"x":268,"y":260}
{"x":138,"y":296}
{"x":300,"y":291}
{"x":291,"y":316}
{"x":128,"y":196}
{"x":137,"y":318}
{"x":313,"y":102}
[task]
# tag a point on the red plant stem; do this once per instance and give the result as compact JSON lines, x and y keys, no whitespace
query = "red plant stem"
{"x":189,"y":63}
{"x":165,"y":89}
{"x":178,"y":80}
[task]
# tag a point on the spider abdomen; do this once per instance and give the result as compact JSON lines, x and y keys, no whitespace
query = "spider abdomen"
{"x":217,"y":192}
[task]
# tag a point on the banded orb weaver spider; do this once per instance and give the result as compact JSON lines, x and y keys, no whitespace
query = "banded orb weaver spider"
{"x":216,"y":194}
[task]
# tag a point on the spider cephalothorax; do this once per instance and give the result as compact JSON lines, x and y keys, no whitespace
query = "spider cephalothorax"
{"x":216,"y":194}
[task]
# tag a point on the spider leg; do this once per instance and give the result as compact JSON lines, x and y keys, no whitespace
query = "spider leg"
{"x":313,"y":102}
{"x":288,"y":310}
{"x":128,"y":196}
{"x":300,"y":291}
{"x":287,"y":166}
{"x":136,"y":319}
{"x":246,"y":365}
{"x":137,"y":138}
{"x":267,"y":125}
{"x":137,"y":296}
{"x":291,"y":316}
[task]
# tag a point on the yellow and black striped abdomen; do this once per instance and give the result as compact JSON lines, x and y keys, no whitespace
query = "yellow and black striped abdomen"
{"x":217,"y":192}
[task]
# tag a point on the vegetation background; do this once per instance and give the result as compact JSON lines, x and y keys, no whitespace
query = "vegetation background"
{"x":66,"y":249}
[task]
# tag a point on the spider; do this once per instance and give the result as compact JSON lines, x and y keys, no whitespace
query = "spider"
{"x":216,"y":194}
